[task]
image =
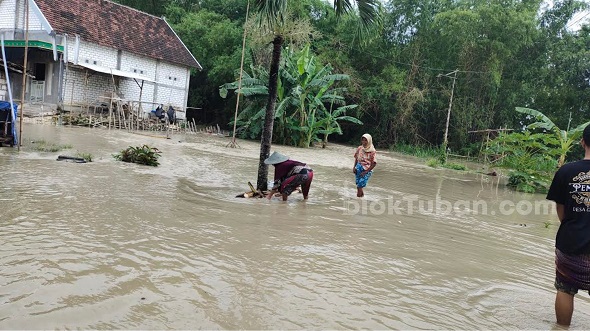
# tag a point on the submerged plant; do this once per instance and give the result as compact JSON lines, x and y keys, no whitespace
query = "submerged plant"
{"x":141,"y":155}
{"x":86,"y":156}
{"x":435,"y":163}
{"x":44,"y":146}
{"x":454,"y":166}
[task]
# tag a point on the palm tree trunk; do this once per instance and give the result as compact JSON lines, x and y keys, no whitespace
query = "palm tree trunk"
{"x":262,"y":182}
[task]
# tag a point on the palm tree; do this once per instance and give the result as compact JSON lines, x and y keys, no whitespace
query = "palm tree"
{"x":273,"y":12}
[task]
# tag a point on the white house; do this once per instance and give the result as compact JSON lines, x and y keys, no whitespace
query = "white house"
{"x":82,"y":50}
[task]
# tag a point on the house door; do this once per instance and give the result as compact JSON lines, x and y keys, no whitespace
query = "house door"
{"x":38,"y":84}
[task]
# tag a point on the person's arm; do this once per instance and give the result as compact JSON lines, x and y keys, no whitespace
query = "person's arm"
{"x":271,"y":193}
{"x":560,"y":211}
{"x":355,"y":161}
{"x":275,"y":188}
{"x":370,"y":168}
{"x":373,"y":164}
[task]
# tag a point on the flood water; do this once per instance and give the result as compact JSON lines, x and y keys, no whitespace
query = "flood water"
{"x":112,"y":245}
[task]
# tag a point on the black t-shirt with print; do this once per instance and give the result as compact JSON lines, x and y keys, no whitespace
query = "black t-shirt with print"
{"x":571,"y":188}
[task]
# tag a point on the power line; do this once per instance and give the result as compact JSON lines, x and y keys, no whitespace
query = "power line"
{"x":430,"y":68}
{"x":439,"y":69}
{"x":576,"y":21}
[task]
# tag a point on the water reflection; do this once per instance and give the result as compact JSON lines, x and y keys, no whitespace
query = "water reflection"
{"x":109,"y":245}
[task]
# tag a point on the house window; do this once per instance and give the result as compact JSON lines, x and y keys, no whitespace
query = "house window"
{"x":90,"y":61}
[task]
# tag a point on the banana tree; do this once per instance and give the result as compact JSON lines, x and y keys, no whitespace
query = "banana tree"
{"x":566,"y":138}
{"x":331,"y":122}
{"x":314,"y":83}
{"x":304,"y":88}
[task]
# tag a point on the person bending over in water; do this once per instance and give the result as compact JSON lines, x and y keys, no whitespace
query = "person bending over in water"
{"x":570,"y":191}
{"x":364,"y":162}
{"x":289,"y":174}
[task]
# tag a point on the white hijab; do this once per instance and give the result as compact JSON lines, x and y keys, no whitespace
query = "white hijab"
{"x":370,"y":147}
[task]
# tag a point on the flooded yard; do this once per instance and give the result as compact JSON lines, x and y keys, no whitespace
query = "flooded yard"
{"x":113,"y":245}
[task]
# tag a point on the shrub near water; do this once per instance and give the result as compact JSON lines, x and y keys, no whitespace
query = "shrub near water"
{"x":141,"y":155}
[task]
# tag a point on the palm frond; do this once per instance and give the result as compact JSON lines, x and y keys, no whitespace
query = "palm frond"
{"x":271,"y":11}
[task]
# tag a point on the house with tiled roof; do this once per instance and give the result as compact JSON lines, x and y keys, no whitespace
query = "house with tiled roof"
{"x":81,"y":50}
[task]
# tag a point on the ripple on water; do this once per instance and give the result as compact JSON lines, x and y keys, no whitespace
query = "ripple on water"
{"x":108,"y":245}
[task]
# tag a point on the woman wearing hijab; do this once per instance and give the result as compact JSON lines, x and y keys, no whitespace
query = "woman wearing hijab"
{"x":364,"y":162}
{"x":289,"y":174}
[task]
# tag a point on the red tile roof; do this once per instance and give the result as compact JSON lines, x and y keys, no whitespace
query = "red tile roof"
{"x":113,"y":25}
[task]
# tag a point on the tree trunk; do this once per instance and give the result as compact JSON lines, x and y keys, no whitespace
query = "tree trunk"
{"x":262,"y":182}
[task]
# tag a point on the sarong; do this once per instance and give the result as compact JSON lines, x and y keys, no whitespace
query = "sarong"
{"x":573,"y":269}
{"x":303,"y":179}
{"x":361,"y":181}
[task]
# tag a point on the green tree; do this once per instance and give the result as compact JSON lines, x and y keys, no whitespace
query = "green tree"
{"x":212,"y":39}
{"x":154,"y":7}
{"x":273,"y":13}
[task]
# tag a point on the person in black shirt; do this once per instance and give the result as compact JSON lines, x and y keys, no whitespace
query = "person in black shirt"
{"x":570,"y":190}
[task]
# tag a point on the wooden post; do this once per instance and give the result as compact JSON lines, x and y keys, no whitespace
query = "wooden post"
{"x":24,"y":86}
{"x":110,"y":109}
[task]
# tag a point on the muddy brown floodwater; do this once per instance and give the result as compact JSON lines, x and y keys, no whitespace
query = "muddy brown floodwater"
{"x":111,"y":245}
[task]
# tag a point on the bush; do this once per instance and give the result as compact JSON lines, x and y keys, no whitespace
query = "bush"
{"x":141,"y":155}
{"x":418,"y":151}
{"x":528,"y":182}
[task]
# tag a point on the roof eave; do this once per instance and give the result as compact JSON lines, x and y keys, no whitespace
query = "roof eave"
{"x":42,"y":19}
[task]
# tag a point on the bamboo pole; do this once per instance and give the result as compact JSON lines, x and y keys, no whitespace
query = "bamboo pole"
{"x":24,"y":86}
{"x":233,"y":140}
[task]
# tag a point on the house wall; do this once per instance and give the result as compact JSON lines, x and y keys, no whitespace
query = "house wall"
{"x":143,"y":66}
{"x":170,"y":88}
{"x":78,"y":90}
{"x":172,"y":84}
{"x":3,"y":86}
{"x":7,"y":8}
{"x":20,"y":22}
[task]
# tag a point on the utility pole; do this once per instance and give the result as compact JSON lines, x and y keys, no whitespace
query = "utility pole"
{"x":445,"y":140}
